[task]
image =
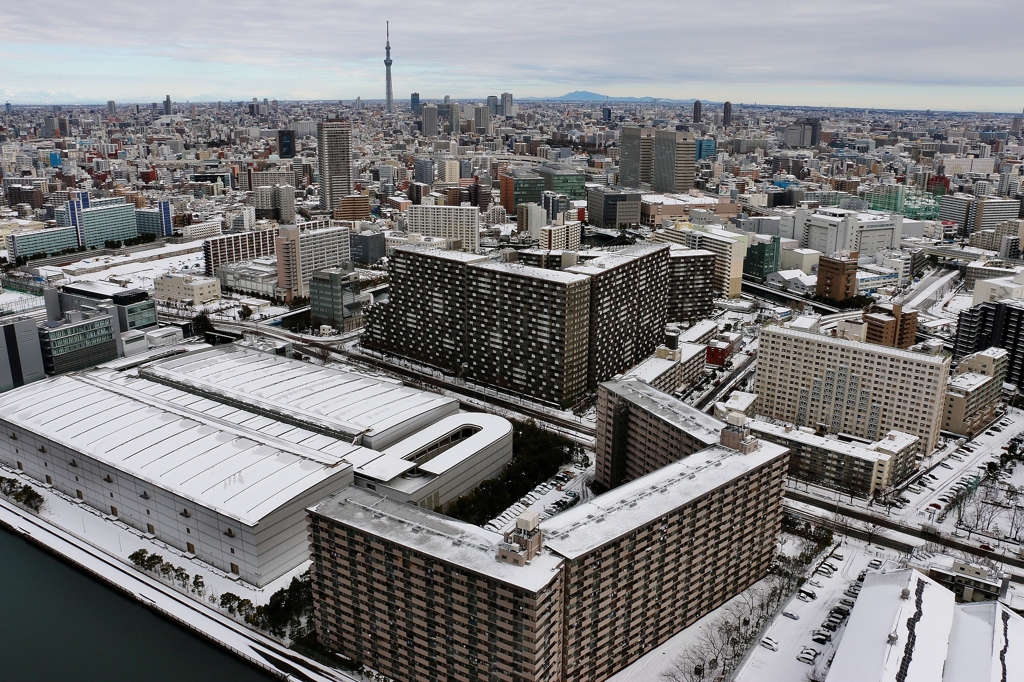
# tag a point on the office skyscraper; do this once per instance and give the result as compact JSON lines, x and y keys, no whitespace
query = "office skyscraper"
{"x":674,"y":161}
{"x":286,"y":144}
{"x":696,"y":111}
{"x":111,"y":107}
{"x":414,"y":103}
{"x":389,"y":104}
{"x":507,"y":108}
{"x":727,"y":114}
{"x":334,"y":156}
{"x":430,"y":120}
{"x":636,"y":156}
{"x":167,"y":105}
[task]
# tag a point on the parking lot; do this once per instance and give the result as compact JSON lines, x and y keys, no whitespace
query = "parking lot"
{"x":791,"y":637}
{"x":566,"y":489}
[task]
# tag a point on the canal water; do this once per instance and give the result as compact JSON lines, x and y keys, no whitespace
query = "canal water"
{"x":59,"y":624}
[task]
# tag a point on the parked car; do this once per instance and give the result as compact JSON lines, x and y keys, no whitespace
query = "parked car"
{"x":848,"y":603}
{"x":815,"y":583}
{"x":987,"y":548}
{"x":805,"y":658}
{"x":944,"y":465}
{"x":831,"y":627}
{"x":789,"y":614}
{"x":803,"y":597}
{"x":875,"y":563}
{"x":837,"y":556}
{"x":770,"y":644}
{"x":818,"y":639}
{"x":822,"y":633}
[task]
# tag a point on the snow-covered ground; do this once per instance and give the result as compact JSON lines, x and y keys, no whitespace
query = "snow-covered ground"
{"x":119,"y":540}
{"x":764,"y":665}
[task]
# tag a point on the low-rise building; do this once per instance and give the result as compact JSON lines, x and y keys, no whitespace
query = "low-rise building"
{"x":850,"y":467}
{"x":257,"y":277}
{"x":180,"y":287}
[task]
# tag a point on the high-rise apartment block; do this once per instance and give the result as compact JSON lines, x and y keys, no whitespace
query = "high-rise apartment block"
{"x":998,"y":324}
{"x":674,"y":161}
{"x":275,"y":202}
{"x":334,"y":159}
{"x":627,"y":308}
{"x":453,"y":222}
{"x":835,"y":385}
{"x":636,"y":159}
{"x":837,"y":276}
{"x":691,"y":284}
{"x":728,"y":248}
{"x":973,"y":213}
{"x":353,"y":207}
{"x":238,"y":247}
{"x":641,"y":429}
{"x":419,"y":596}
{"x":306,"y":248}
{"x":521,"y":328}
{"x":527,"y":330}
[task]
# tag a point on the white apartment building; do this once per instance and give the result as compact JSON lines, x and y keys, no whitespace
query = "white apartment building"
{"x":301,"y":252}
{"x":182,"y":287}
{"x":204,"y":230}
{"x":457,"y":222}
{"x":560,"y":237}
{"x":838,"y":386}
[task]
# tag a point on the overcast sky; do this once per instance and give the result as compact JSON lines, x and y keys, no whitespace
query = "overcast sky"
{"x":938,"y":54}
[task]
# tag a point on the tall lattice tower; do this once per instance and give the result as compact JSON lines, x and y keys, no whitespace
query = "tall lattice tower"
{"x":389,"y":105}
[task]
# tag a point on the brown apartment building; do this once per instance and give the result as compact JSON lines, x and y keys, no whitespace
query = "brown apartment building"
{"x":890,"y":324}
{"x":421,"y":597}
{"x":641,"y":429}
{"x":837,"y":276}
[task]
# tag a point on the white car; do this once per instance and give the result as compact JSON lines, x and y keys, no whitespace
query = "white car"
{"x":805,"y":658}
{"x":770,"y":644}
{"x":814,"y":583}
{"x":790,"y":615}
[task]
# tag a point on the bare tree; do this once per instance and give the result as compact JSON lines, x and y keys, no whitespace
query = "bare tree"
{"x":322,"y":353}
{"x":1016,"y":522}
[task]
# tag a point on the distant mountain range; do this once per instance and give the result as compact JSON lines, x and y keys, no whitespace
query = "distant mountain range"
{"x":587,"y":96}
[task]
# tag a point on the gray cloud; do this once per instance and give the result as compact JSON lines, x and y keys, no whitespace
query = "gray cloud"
{"x":325,"y":48}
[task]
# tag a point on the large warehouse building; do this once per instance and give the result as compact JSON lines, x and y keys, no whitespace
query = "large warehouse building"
{"x":227,"y":478}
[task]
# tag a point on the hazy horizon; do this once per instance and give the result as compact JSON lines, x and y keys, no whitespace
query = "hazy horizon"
{"x":870,"y":55}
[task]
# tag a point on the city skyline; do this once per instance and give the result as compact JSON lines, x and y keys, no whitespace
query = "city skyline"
{"x":789,"y":58}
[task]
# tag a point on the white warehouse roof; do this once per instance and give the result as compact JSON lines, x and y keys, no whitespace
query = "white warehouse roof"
{"x":239,"y":464}
{"x":345,"y":403}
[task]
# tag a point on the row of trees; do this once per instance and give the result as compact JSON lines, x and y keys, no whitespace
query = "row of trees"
{"x":537,"y":455}
{"x":131,"y":241}
{"x":288,"y":614}
{"x":22,"y":493}
{"x":721,"y":644}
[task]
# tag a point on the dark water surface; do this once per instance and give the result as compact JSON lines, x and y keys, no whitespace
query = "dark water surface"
{"x":59,"y":624}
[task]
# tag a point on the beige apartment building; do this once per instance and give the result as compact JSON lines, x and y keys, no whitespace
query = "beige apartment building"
{"x":973,"y":394}
{"x":834,"y":385}
{"x":422,"y":597}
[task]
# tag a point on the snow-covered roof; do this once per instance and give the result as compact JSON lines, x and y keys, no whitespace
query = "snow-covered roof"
{"x":887,"y":632}
{"x":344,"y":402}
{"x":795,"y":435}
{"x":237,"y":463}
{"x":631,"y":505}
{"x":519,"y":270}
{"x":986,"y":644}
{"x":461,"y":544}
{"x":492,"y":429}
{"x":695,"y":423}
